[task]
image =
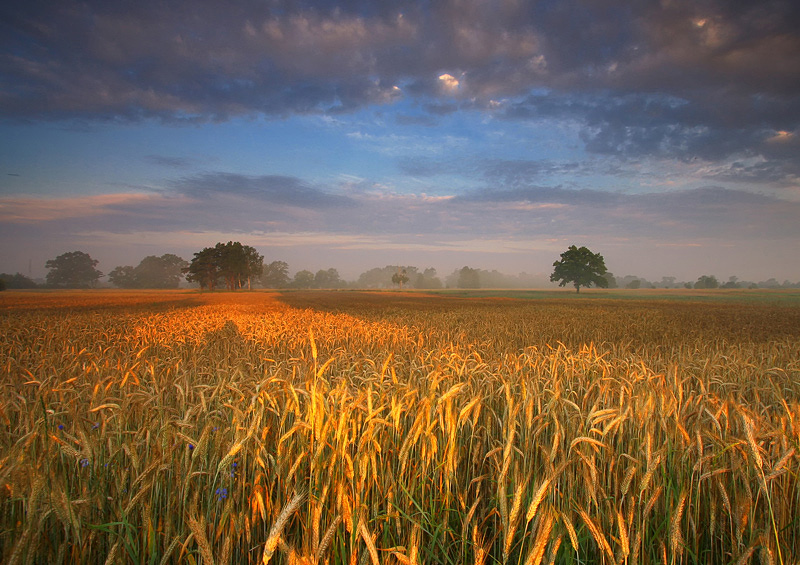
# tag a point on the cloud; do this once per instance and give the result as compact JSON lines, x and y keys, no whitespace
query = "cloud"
{"x":200,"y":60}
{"x":171,"y":162}
{"x":16,"y":210}
{"x":449,"y":83}
{"x":678,"y":80}
{"x":270,"y":189}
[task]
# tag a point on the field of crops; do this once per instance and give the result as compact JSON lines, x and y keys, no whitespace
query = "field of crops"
{"x":354,"y":428}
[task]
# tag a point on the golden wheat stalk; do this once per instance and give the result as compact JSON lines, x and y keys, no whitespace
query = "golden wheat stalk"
{"x":598,"y":536}
{"x":675,"y":536}
{"x":275,"y":532}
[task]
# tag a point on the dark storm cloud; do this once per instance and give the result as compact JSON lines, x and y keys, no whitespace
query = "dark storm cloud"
{"x":269,"y":189}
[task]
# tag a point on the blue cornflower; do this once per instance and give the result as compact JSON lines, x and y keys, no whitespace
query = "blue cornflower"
{"x":61,"y":426}
{"x":84,"y":462}
{"x":191,"y":446}
{"x":97,"y":425}
{"x":222,"y":494}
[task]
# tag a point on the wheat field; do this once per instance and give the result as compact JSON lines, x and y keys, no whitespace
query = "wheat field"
{"x":314,"y":428}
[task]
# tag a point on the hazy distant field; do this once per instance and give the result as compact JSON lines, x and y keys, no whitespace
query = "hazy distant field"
{"x":350,"y":427}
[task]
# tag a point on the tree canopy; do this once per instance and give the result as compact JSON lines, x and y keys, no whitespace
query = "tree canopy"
{"x":232,"y":263}
{"x":580,"y":267}
{"x":75,"y":269}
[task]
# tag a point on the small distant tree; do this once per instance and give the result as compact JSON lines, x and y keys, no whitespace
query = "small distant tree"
{"x":634,"y":284}
{"x":400,"y":278}
{"x":75,"y":269}
{"x":580,"y":267}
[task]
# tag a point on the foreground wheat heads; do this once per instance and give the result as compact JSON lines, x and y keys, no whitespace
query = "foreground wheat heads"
{"x":251,"y":428}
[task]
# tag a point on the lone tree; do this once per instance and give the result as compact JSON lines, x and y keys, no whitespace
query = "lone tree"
{"x":75,"y":269}
{"x":581,"y":267}
{"x":400,"y":278}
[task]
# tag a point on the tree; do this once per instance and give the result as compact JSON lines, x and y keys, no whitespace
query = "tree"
{"x":400,"y":278}
{"x":707,"y":281}
{"x":327,"y":279}
{"x":17,"y":281}
{"x":303,"y":279}
{"x":580,"y":267}
{"x":428,"y":279}
{"x":75,"y":269}
{"x":468,"y":278}
{"x":610,"y":279}
{"x":275,"y":275}
{"x":123,"y":277}
{"x":204,"y":268}
{"x":232,"y":262}
{"x":732,"y":283}
{"x":152,"y":272}
{"x":254,"y":264}
{"x":160,"y":272}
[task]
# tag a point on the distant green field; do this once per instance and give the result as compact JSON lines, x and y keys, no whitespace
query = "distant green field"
{"x":736,"y":295}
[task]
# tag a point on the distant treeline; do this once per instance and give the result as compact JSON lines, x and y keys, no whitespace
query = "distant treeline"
{"x":703,"y":282}
{"x":233,"y":266}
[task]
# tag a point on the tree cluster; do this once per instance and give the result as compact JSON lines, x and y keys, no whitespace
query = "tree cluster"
{"x":231,"y":264}
{"x":401,"y":276}
{"x":17,"y":281}
{"x":152,"y":272}
{"x":324,"y":278}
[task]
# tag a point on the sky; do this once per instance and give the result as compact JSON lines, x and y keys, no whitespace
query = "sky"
{"x":664,"y":135}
